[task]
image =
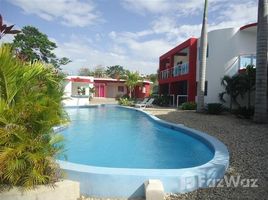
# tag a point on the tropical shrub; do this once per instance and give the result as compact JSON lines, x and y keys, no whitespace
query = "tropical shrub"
{"x":239,"y":85}
{"x":215,"y":108}
{"x":125,"y":102}
{"x":188,"y":106}
{"x":30,"y":106}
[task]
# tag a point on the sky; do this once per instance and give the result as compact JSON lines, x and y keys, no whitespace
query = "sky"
{"x":131,"y":33}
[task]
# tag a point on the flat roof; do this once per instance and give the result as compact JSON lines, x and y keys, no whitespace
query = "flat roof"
{"x":178,"y":48}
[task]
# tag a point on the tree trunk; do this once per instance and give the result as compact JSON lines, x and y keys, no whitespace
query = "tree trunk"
{"x":260,"y":115}
{"x":231,"y":104}
{"x":130,"y":91}
{"x":203,"y":62}
{"x":249,"y":98}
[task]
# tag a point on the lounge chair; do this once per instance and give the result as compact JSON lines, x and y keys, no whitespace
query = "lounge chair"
{"x":147,"y":104}
{"x":143,"y":101}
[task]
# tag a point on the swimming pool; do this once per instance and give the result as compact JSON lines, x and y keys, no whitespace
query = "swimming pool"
{"x":112,"y":147}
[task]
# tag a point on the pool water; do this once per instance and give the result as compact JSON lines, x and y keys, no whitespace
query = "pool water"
{"x":112,"y":136}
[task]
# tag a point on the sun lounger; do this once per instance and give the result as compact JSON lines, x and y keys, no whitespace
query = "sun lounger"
{"x":143,"y":101}
{"x":147,"y":104}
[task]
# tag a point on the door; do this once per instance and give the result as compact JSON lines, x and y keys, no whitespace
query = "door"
{"x":101,"y":93}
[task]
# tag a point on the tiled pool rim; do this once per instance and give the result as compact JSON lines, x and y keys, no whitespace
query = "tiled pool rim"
{"x":128,"y":182}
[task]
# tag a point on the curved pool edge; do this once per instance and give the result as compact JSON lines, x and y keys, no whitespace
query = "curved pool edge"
{"x":128,"y":182}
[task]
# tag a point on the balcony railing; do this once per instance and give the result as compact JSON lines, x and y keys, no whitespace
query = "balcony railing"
{"x":240,"y":62}
{"x":174,"y":71}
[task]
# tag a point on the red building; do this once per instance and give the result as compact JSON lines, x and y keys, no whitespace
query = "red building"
{"x":104,"y":87}
{"x":177,"y":72}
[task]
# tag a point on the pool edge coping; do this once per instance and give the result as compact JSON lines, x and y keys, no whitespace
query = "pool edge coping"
{"x":220,"y":158}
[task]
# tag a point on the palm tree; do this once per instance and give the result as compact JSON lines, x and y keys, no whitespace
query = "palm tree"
{"x":30,"y":105}
{"x":247,"y":82}
{"x":260,"y":115}
{"x":132,"y":80}
{"x":203,"y":62}
{"x":231,"y":86}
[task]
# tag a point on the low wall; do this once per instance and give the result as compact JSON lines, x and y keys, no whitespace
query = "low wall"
{"x":63,"y":190}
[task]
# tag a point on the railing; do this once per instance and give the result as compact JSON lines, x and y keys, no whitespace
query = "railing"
{"x":175,"y":71}
{"x":240,"y":62}
{"x":181,"y":99}
{"x":245,"y":60}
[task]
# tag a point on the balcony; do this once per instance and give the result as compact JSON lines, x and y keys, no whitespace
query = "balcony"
{"x":174,"y":71}
{"x":240,"y":63}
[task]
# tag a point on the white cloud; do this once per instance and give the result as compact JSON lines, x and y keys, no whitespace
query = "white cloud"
{"x":141,"y":6}
{"x":83,"y":54}
{"x":168,"y":26}
{"x":243,"y":12}
{"x":6,"y":39}
{"x":68,"y":12}
{"x":164,"y":7}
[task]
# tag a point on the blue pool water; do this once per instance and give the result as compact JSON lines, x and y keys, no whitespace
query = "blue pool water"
{"x":111,"y":136}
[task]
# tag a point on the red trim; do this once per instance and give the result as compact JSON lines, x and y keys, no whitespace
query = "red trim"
{"x":241,"y":71}
{"x":178,"y":48}
{"x":109,"y":81}
{"x":80,"y":80}
{"x":248,"y":26}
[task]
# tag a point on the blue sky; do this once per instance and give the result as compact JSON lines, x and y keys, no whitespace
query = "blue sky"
{"x":131,"y":33}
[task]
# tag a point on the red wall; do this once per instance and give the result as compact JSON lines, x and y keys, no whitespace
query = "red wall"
{"x":191,"y":76}
{"x":138,"y":91}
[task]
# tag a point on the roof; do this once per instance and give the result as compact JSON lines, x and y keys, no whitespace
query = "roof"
{"x":178,"y":48}
{"x":248,"y":26}
{"x":91,"y":79}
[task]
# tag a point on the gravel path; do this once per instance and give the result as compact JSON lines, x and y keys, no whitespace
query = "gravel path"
{"x":248,"y":146}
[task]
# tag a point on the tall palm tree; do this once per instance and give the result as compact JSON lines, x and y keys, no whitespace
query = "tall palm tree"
{"x":203,"y":62}
{"x":260,"y":115}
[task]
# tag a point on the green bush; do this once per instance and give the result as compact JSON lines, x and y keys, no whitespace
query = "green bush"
{"x":125,"y":102}
{"x":30,"y":106}
{"x":188,"y":106}
{"x":244,"y":112}
{"x":215,"y":108}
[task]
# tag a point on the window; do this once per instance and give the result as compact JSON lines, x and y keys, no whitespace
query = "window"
{"x":246,"y":60}
{"x":120,"y":88}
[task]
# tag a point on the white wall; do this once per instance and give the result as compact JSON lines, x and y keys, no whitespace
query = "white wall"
{"x":112,"y":89}
{"x":67,"y":88}
{"x":225,"y":45}
{"x":70,"y":88}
